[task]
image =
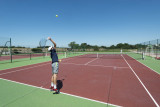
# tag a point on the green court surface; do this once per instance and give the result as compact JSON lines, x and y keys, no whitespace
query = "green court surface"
{"x":149,"y":62}
{"x":21,"y":62}
{"x":19,"y":95}
{"x":6,"y":64}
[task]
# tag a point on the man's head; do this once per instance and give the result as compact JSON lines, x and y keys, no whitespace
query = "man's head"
{"x":50,"y":48}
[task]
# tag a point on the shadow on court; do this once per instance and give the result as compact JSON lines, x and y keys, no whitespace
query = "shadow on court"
{"x":60,"y":84}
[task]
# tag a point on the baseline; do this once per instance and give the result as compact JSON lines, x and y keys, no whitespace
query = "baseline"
{"x":61,"y":92}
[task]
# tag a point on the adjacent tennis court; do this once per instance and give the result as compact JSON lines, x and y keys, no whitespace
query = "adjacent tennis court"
{"x":84,"y":80}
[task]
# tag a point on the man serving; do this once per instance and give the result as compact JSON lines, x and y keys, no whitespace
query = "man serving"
{"x":55,"y":65}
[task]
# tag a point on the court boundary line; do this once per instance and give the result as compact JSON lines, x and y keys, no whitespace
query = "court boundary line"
{"x":22,"y":69}
{"x":141,"y":83}
{"x":25,"y":65}
{"x":90,"y":61}
{"x":145,"y":65}
{"x":66,"y":59}
{"x":60,"y":92}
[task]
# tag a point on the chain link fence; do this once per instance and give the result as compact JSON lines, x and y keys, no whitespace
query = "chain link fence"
{"x":150,"y":48}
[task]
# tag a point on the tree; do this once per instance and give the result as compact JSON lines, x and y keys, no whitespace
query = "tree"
{"x":73,"y":45}
{"x":112,"y":47}
{"x":76,"y":46}
{"x":96,"y":48}
{"x":89,"y":47}
{"x":120,"y":45}
{"x":36,"y":50}
{"x":15,"y":51}
{"x":104,"y":47}
{"x":83,"y":46}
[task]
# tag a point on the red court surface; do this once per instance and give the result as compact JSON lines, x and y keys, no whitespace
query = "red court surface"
{"x":121,"y":81}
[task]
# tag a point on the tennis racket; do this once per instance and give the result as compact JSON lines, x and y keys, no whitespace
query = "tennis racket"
{"x":42,"y":42}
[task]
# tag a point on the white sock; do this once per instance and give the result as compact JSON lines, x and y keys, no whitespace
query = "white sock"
{"x":52,"y":84}
{"x":55,"y":87}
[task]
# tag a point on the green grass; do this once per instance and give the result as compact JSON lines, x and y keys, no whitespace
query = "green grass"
{"x":21,"y":62}
{"x":149,"y":61}
{"x":18,"y":95}
{"x":24,"y":61}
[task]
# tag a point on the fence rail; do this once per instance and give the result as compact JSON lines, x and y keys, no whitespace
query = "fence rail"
{"x":150,"y":48}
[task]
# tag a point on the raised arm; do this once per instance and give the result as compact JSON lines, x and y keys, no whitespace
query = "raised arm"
{"x":52,"y":42}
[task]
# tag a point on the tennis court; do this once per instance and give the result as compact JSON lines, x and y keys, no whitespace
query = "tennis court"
{"x":84,"y":80}
{"x":20,"y":56}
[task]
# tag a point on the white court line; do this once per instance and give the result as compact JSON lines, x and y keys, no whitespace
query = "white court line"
{"x":25,"y":66}
{"x":23,"y":69}
{"x":61,"y":92}
{"x":61,"y":63}
{"x":49,"y":62}
{"x":90,"y":61}
{"x":69,"y":58}
{"x":107,"y":66}
{"x":95,"y":65}
{"x":71,"y":63}
{"x":142,"y":83}
{"x":145,"y":65}
{"x":66,"y":59}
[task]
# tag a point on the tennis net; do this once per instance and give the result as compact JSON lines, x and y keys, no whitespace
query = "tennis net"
{"x":94,"y":54}
{"x":104,"y":55}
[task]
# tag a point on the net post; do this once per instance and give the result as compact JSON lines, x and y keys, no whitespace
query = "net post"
{"x":143,"y":58}
{"x":11,"y":49}
{"x":97,"y":54}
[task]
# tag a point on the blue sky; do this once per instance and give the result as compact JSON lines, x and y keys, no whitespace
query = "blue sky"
{"x":96,"y":22}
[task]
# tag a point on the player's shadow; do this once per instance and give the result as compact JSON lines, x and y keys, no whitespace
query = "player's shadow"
{"x":59,"y":84}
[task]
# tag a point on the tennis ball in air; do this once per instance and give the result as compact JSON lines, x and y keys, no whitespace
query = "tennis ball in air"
{"x":56,"y":15}
{"x":59,"y":60}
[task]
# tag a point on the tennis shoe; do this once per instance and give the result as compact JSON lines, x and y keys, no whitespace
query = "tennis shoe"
{"x":56,"y":91}
{"x":52,"y":88}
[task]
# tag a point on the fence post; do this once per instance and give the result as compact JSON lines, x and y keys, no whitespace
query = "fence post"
{"x":149,"y":48}
{"x":11,"y":49}
{"x":144,"y":48}
{"x":157,"y":49}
